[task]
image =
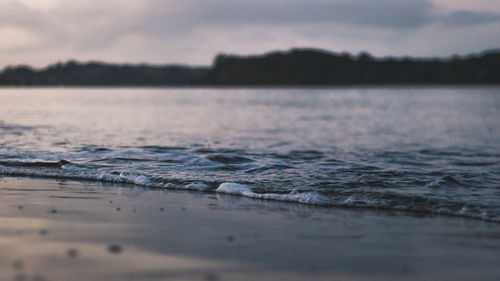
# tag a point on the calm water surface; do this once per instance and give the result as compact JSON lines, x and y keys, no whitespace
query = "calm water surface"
{"x":421,"y":149}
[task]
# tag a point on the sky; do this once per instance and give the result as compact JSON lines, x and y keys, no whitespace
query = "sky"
{"x":42,"y":32}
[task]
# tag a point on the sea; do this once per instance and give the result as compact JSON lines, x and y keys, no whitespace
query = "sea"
{"x":429,"y":150}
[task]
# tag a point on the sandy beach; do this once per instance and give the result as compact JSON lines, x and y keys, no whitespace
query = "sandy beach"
{"x":69,"y":230}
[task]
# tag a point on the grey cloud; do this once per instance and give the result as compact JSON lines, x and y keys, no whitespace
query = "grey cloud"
{"x":81,"y":27}
{"x":191,"y":27}
{"x":18,"y":15}
{"x":391,"y":14}
{"x":468,"y":18}
{"x":102,"y":25}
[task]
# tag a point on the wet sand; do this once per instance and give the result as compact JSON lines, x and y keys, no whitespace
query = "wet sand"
{"x":68,"y":230}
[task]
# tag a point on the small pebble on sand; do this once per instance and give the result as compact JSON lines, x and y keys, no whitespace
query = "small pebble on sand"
{"x":18,"y":265}
{"x":72,"y":253}
{"x":115,"y":249}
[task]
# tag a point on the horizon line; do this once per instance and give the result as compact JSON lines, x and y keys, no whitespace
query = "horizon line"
{"x":264,"y":54}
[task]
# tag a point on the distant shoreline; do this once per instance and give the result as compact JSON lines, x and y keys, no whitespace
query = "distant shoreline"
{"x":294,"y":68}
{"x":253,"y":87}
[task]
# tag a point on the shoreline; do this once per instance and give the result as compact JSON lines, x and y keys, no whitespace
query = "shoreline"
{"x":258,"y":197}
{"x":59,"y":229}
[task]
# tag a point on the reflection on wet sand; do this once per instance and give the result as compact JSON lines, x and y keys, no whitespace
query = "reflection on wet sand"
{"x":122,"y":232}
{"x":43,"y":259}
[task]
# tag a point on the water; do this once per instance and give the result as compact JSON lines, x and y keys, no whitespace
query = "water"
{"x":434,"y":150}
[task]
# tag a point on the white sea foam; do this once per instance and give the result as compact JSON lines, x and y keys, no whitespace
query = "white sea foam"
{"x":244,"y":190}
{"x":197,"y":186}
{"x":142,"y":180}
{"x":463,"y":211}
{"x":104,"y":176}
{"x":235,"y":189}
{"x":131,"y":176}
{"x":349,"y":200}
{"x":192,"y":186}
{"x":171,"y":186}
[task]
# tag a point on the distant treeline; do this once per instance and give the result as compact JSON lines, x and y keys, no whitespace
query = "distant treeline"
{"x":295,"y":67}
{"x":101,"y":74}
{"x":313,"y":67}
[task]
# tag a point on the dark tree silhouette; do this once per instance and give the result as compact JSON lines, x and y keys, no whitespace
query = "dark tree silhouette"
{"x":97,"y":74}
{"x":316,"y":67}
{"x":293,"y":68}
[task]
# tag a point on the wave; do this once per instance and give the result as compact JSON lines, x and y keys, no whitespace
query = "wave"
{"x":337,"y":198}
{"x":444,"y":181}
{"x":312,"y":198}
{"x":48,"y":164}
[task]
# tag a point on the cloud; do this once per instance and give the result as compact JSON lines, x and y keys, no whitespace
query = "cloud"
{"x":18,"y":15}
{"x":392,"y":14}
{"x":469,"y":18}
{"x":192,"y":31}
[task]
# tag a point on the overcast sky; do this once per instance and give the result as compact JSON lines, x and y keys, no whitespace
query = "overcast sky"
{"x":41,"y":32}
